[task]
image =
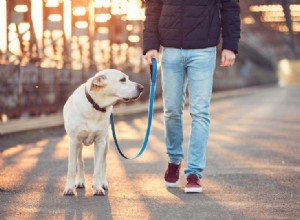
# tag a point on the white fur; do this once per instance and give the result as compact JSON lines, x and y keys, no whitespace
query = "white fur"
{"x":85,"y":125}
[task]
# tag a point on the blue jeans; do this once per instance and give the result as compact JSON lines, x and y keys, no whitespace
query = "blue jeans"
{"x":192,"y":68}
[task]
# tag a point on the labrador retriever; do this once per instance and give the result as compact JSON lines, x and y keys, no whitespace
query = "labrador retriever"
{"x":86,"y":118}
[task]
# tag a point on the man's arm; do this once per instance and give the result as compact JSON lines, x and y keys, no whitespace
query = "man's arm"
{"x":231,"y":24}
{"x":150,"y":32}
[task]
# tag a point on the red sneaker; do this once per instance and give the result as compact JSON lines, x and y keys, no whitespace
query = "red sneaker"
{"x":172,"y":175}
{"x":193,"y":184}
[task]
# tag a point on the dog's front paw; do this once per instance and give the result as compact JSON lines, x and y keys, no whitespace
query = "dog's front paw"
{"x":69,"y":192}
{"x":69,"y":188}
{"x":80,"y":186}
{"x":98,"y":191}
{"x":105,"y":185}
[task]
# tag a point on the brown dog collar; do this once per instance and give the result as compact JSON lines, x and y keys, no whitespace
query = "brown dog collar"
{"x":94,"y":104}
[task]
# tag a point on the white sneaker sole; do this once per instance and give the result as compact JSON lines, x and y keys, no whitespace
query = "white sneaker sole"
{"x":172,"y":184}
{"x":193,"y":189}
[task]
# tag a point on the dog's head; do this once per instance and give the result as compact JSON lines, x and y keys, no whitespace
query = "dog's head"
{"x":110,"y":85}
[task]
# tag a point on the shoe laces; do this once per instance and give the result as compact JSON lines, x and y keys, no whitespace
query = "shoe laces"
{"x":192,"y":178}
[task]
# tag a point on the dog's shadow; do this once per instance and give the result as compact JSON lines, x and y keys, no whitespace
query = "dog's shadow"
{"x":84,"y":205}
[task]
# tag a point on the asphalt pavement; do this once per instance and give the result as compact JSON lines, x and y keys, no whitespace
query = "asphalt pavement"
{"x":253,"y":167}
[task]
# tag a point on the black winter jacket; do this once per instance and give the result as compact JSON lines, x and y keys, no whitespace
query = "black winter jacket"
{"x":191,"y":24}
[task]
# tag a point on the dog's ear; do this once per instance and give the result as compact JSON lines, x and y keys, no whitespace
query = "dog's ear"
{"x":98,"y":82}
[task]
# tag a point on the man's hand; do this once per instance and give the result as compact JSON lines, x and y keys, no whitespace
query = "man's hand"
{"x":228,"y":58}
{"x":151,"y":54}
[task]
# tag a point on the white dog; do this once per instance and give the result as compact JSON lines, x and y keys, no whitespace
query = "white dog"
{"x":86,"y":117}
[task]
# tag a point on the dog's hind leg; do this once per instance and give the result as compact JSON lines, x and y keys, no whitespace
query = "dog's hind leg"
{"x":80,"y":170}
{"x":73,"y":151}
{"x":99,"y":157}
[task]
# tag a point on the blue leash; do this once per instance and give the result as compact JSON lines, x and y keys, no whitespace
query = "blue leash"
{"x":153,"y":69}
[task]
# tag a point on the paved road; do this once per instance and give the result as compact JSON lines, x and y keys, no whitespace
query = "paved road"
{"x":253,"y":168}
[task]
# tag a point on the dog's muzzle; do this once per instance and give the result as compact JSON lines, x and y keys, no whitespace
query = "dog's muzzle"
{"x":140,"y":89}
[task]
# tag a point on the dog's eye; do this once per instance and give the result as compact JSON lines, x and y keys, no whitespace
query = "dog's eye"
{"x":123,"y":80}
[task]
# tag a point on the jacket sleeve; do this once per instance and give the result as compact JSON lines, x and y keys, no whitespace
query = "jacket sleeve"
{"x":231,"y":24}
{"x":150,"y":32}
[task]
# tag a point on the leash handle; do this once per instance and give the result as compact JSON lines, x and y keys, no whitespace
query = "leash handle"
{"x":153,"y":69}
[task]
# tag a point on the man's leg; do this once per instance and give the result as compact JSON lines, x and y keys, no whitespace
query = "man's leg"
{"x":200,"y":69}
{"x":174,"y":87}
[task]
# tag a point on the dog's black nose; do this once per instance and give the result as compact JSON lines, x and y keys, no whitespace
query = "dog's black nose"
{"x":140,"y":88}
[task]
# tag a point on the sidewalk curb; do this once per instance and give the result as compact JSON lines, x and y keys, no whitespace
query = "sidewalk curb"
{"x":56,"y":120}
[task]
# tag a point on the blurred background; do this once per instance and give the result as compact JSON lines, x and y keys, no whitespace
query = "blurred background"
{"x":49,"y":47}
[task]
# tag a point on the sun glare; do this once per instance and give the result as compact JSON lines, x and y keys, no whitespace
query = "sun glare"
{"x":79,"y":11}
{"x":21,"y":8}
{"x":3,"y":26}
{"x":55,"y":17}
{"x":102,"y":18}
{"x":81,"y":24}
{"x":134,"y":38}
{"x":52,"y":3}
{"x":101,"y":3}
